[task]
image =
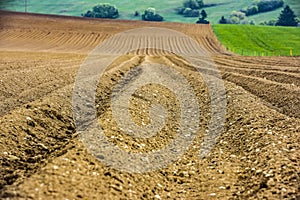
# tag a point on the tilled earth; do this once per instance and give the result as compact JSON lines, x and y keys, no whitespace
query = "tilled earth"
{"x":42,"y":157}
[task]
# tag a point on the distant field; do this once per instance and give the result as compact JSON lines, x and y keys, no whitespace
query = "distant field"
{"x":259,"y":40}
{"x":128,"y":7}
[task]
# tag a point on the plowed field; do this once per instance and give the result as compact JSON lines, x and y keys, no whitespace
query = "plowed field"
{"x":42,"y":156}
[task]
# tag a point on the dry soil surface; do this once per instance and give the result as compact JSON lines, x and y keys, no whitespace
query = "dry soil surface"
{"x":42,"y":157}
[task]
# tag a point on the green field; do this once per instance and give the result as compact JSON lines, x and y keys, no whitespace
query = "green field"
{"x":241,"y":39}
{"x":259,"y":40}
{"x":128,"y":7}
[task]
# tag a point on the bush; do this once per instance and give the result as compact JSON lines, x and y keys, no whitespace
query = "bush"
{"x":287,"y":18}
{"x":150,"y":15}
{"x":234,"y":20}
{"x":245,"y":21}
{"x":251,"y":10}
{"x":269,"y":5}
{"x":239,"y":15}
{"x":188,"y":12}
{"x":223,"y":20}
{"x":202,"y":19}
{"x":262,"y":6}
{"x":272,"y":22}
{"x":180,"y":10}
{"x":193,"y":4}
{"x":252,"y":22}
{"x":103,"y":11}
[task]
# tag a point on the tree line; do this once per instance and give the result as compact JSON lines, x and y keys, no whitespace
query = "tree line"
{"x":195,"y":8}
{"x":110,"y":11}
{"x":287,"y":17}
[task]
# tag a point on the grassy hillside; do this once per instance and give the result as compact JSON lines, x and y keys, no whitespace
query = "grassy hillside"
{"x":259,"y":40}
{"x":127,"y":8}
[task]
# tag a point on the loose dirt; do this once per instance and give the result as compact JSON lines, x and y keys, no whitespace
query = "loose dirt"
{"x":42,"y":156}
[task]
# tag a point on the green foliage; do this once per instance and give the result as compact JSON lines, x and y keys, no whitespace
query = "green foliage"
{"x":203,"y":14}
{"x":191,"y":8}
{"x":151,"y":15}
{"x":202,"y":19}
{"x":271,"y":22}
{"x":252,"y":22}
{"x":238,"y":14}
{"x":287,"y":17}
{"x":128,"y":7}
{"x":188,"y":12}
{"x":255,"y":40}
{"x":193,"y":4}
{"x":251,"y":10}
{"x":237,"y":17}
{"x":234,"y":20}
{"x":259,"y":6}
{"x":268,"y":5}
{"x":223,"y":20}
{"x":102,"y":11}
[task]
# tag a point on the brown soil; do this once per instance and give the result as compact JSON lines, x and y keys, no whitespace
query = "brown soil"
{"x":42,"y":157}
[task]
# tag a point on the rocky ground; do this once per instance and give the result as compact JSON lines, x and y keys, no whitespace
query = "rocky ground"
{"x":43,"y":157}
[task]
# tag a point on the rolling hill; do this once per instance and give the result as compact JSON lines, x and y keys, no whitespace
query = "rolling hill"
{"x":43,"y":155}
{"x":127,"y":8}
{"x":259,"y":40}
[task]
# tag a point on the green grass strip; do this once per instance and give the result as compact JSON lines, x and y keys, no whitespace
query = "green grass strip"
{"x":259,"y":40}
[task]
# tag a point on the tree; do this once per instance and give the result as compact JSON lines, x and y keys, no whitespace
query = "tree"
{"x":202,"y":19}
{"x":268,"y":5}
{"x":102,"y":11}
{"x":251,"y":10}
{"x":287,"y":17}
{"x":150,"y":15}
{"x":237,"y":17}
{"x":203,"y":14}
{"x":252,"y":22}
{"x":188,"y":12}
{"x":193,"y":4}
{"x":234,"y":20}
{"x":238,"y":14}
{"x":223,"y":20}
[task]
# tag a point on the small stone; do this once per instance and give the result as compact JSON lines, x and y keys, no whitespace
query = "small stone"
{"x":269,"y":175}
{"x":212,"y":194}
{"x":12,"y":157}
{"x":157,"y":196}
{"x":145,"y":159}
{"x":28,"y":118}
{"x":55,"y":167}
{"x":43,"y":146}
{"x":271,"y":182}
{"x":192,"y":172}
